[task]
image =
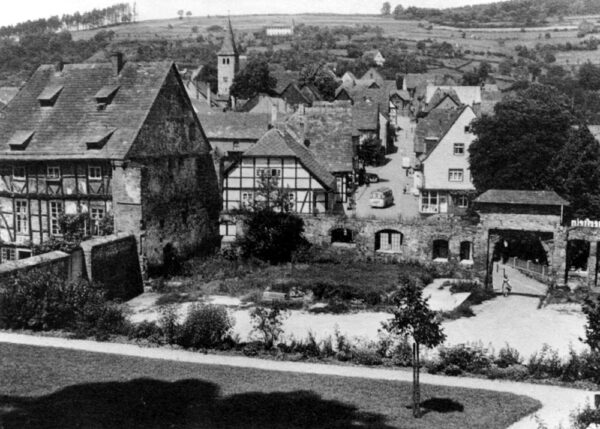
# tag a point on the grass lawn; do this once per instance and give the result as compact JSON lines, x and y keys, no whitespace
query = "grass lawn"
{"x":56,"y":388}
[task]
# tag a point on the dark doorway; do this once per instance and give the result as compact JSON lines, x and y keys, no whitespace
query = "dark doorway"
{"x":578,"y":252}
{"x":466,"y":251}
{"x":440,"y":249}
{"x":524,"y":245}
{"x":342,"y":235}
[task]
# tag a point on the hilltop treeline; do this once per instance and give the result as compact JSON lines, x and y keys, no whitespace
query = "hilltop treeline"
{"x":115,"y":14}
{"x":507,"y":13}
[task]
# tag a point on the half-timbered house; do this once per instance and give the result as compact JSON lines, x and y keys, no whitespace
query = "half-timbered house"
{"x":307,"y":185}
{"x":115,"y":138}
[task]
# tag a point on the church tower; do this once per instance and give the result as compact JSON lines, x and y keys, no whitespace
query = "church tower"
{"x":228,"y":62}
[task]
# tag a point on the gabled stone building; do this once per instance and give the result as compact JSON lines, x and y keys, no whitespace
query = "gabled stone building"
{"x":111,"y":138}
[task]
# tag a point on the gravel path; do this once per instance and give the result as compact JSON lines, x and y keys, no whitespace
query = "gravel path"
{"x":557,"y":402}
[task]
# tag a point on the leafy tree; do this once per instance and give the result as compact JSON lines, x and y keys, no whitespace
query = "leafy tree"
{"x":272,"y":232}
{"x":515,"y":147}
{"x":414,"y":318}
{"x":188,"y":14}
{"x":589,"y":76}
{"x":180,"y":13}
{"x":505,"y":67}
{"x":398,"y":11}
{"x":209,"y":74}
{"x":386,"y":8}
{"x":591,"y":309}
{"x":323,"y":81}
{"x":254,"y":79}
{"x":576,"y":172}
{"x":268,"y":323}
{"x":370,"y":151}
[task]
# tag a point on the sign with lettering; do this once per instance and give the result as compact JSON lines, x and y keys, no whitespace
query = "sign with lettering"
{"x":586,"y":222}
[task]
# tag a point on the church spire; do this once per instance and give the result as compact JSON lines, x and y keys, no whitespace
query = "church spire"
{"x":228,"y":47}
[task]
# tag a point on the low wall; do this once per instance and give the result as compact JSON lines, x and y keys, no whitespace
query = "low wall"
{"x":111,"y":261}
{"x":60,"y":263}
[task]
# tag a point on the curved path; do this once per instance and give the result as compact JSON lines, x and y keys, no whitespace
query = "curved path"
{"x":557,"y":402}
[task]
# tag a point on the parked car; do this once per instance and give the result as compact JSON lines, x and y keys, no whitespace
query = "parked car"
{"x":372,"y":178}
{"x":381,"y":197}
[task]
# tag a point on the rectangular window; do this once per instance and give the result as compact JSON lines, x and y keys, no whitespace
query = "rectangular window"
{"x":468,"y":129}
{"x":8,"y":254}
{"x":19,"y":173}
{"x":56,"y":209}
{"x":459,"y":149}
{"x":225,"y":79}
{"x":455,"y":175}
{"x":247,"y":199}
{"x":21,"y":216}
{"x":236,"y":145}
{"x":429,"y":202}
{"x":95,"y":172}
{"x":53,"y":172}
{"x":96,"y":215}
{"x":275,"y":172}
{"x":462,"y":201}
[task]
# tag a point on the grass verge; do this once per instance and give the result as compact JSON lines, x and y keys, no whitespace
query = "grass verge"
{"x":47,"y":387}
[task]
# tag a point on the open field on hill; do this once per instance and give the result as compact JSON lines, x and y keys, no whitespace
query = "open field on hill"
{"x":481,"y":39}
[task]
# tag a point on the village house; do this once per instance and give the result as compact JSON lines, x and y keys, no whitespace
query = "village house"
{"x":442,"y":141}
{"x":327,"y":130}
{"x":468,"y":95}
{"x":111,"y":140}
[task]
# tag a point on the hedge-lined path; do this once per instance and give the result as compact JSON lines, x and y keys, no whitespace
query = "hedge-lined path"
{"x":557,"y":402}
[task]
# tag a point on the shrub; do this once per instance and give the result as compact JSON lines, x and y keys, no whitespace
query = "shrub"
{"x":453,"y":370}
{"x":41,"y":300}
{"x":327,"y":347}
{"x":468,"y":358}
{"x":267,"y":322}
{"x":169,"y":324}
{"x":205,"y":326}
{"x":401,"y":353}
{"x":146,"y":330}
{"x":590,"y":366}
{"x":514,"y":372}
{"x":342,"y":345}
{"x":252,"y":349}
{"x":583,"y":418}
{"x":545,"y":364}
{"x":366,"y":356}
{"x":508,"y":356}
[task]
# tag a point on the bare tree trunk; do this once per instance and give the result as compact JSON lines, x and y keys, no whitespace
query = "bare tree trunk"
{"x":416,"y":387}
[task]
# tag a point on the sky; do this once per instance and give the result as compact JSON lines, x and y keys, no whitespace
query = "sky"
{"x":23,"y":10}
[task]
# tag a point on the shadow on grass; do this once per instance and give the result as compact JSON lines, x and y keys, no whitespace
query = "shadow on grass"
{"x":148,"y":403}
{"x":441,"y":405}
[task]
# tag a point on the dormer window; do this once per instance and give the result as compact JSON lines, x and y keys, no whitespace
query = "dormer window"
{"x":105,"y":96}
{"x":49,"y":95}
{"x":20,"y":140}
{"x":53,"y":172}
{"x":99,"y":139}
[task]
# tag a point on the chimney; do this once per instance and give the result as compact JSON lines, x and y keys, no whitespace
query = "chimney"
{"x":116,"y":58}
{"x":59,"y":65}
{"x":273,"y":114}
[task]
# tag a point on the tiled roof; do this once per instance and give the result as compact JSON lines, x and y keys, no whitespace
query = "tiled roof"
{"x":373,"y":74}
{"x":329,"y":130}
{"x":284,"y":79}
{"x":7,"y":93}
{"x":509,"y":196}
{"x":365,"y":116}
{"x":277,"y":143}
{"x":360,"y":93}
{"x":439,"y":96}
{"x":431,"y":129}
{"x":467,"y":94}
{"x":62,"y":131}
{"x":234,"y":125}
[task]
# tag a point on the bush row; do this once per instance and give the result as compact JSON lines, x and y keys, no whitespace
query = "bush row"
{"x":41,"y":300}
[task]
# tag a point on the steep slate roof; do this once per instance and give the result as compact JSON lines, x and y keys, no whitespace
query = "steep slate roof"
{"x":284,"y":79}
{"x":467,"y":94}
{"x":365,"y":116}
{"x":228,"y":47}
{"x":359,"y":93}
{"x":506,"y":196}
{"x":235,"y":125}
{"x":373,"y":74}
{"x":63,"y":130}
{"x":277,"y":143}
{"x":329,"y":131}
{"x":7,"y":93}
{"x":435,"y":125}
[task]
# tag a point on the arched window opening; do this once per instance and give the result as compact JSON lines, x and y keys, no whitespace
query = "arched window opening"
{"x":440,"y":249}
{"x":388,"y":240}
